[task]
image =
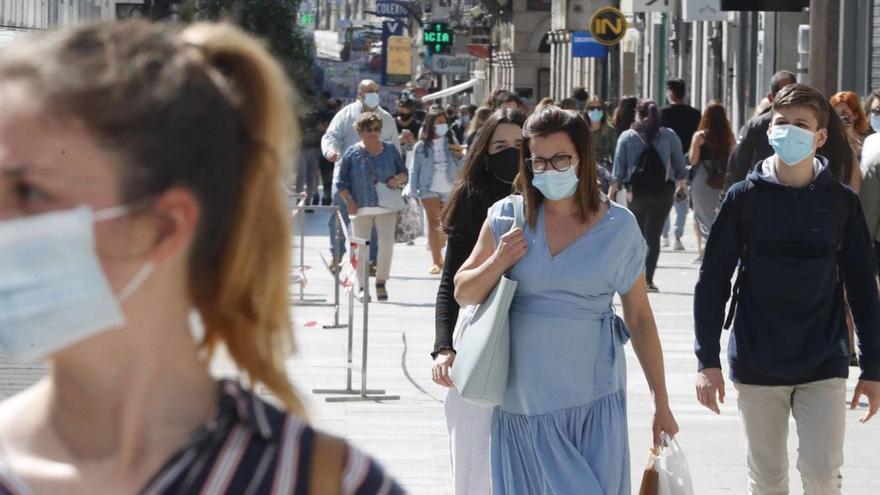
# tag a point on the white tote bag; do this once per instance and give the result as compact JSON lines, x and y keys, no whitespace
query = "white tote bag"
{"x":670,"y":471}
{"x":483,"y":340}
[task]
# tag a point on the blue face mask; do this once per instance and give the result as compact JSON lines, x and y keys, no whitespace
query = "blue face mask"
{"x":53,"y":292}
{"x":441,"y":129}
{"x":791,"y":143}
{"x":557,"y":185}
{"x":596,"y":115}
{"x":875,"y":122}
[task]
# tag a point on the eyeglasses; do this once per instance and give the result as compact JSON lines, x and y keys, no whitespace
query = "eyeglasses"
{"x":538,"y":166}
{"x":377,"y":128}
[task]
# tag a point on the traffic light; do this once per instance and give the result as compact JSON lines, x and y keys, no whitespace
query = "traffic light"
{"x":437,"y":37}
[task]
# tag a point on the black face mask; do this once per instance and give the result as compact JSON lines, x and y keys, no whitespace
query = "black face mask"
{"x":504,"y":165}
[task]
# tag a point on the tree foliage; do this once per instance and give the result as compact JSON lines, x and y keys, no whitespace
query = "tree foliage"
{"x":274,"y":21}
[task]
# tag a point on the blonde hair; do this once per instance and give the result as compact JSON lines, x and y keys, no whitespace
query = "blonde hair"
{"x":207,"y":109}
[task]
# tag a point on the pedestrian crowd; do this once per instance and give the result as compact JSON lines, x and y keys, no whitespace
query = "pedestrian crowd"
{"x":158,"y":186}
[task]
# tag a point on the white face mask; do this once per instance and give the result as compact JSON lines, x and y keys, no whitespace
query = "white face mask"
{"x":53,"y":292}
{"x":371,"y":100}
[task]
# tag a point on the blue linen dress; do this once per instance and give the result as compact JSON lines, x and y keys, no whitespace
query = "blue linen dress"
{"x":562,"y":429}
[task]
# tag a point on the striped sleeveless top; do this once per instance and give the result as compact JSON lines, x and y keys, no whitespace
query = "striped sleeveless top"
{"x":249,"y":448}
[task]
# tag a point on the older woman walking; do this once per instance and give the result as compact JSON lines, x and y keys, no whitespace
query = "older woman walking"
{"x":364,"y":166}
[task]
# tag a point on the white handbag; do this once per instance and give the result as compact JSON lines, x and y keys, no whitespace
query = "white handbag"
{"x":483,"y":340}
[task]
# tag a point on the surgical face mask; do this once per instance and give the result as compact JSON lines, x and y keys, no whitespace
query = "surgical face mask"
{"x":557,"y":185}
{"x":875,"y":122}
{"x":791,"y":143}
{"x":371,"y":100}
{"x":441,"y":129}
{"x":504,"y":165}
{"x":465,"y":119}
{"x":53,"y":292}
{"x":596,"y":115}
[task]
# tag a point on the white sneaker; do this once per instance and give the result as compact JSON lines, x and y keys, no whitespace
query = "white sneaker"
{"x":678,"y":245}
{"x":698,"y":260}
{"x":665,"y":241}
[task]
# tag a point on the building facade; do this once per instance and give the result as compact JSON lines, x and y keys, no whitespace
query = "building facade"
{"x":521,"y":51}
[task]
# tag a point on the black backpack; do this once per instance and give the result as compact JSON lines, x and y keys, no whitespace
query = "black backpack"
{"x":744,"y":215}
{"x":649,"y":174}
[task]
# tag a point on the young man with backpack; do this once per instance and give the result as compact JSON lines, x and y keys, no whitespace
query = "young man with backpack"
{"x":799,"y":238}
{"x":648,"y":161}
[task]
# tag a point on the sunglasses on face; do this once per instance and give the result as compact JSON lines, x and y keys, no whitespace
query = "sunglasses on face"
{"x":404,"y":116}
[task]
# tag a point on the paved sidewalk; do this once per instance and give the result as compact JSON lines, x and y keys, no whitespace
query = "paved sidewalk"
{"x":409,"y":435}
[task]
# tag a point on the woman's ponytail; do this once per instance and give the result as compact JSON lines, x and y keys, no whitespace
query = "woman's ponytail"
{"x":248,"y":302}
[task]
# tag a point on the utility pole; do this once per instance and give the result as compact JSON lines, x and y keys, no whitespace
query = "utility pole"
{"x":824,"y":41}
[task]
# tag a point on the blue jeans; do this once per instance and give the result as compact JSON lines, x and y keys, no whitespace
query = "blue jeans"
{"x":337,"y":238}
{"x":681,"y":213}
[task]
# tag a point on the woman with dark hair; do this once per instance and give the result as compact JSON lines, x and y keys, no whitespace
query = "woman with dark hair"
{"x":487,"y":176}
{"x":624,"y":114}
{"x":562,"y":425}
{"x":710,"y":149}
{"x":437,"y":160}
{"x":480,"y":116}
{"x":649,"y":162}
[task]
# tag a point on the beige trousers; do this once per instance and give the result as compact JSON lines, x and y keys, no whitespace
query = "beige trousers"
{"x":385,"y":225}
{"x":819,"y":412}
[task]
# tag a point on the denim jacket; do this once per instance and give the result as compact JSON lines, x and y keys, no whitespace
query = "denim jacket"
{"x":630,"y":147}
{"x":423,"y":168}
{"x":355,"y":176}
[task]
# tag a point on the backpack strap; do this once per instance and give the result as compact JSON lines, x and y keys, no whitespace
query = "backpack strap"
{"x":743,"y":216}
{"x":840,"y":206}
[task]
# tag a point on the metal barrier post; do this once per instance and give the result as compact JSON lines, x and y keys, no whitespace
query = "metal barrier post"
{"x":363,"y":394}
{"x":335,"y":270}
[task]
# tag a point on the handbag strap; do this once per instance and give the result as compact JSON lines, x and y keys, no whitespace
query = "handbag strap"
{"x":518,"y":212}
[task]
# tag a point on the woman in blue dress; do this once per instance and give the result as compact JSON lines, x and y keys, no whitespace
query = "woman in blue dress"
{"x":562,"y":429}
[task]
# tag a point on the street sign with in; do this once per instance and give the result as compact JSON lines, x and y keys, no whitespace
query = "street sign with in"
{"x":704,"y":10}
{"x":437,"y":37}
{"x":584,"y":45}
{"x":653,"y":5}
{"x":449,"y":64}
{"x":608,"y":26}
{"x":390,"y":8}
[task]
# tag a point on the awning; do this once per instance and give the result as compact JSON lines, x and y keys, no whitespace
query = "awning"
{"x":458,"y":88}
